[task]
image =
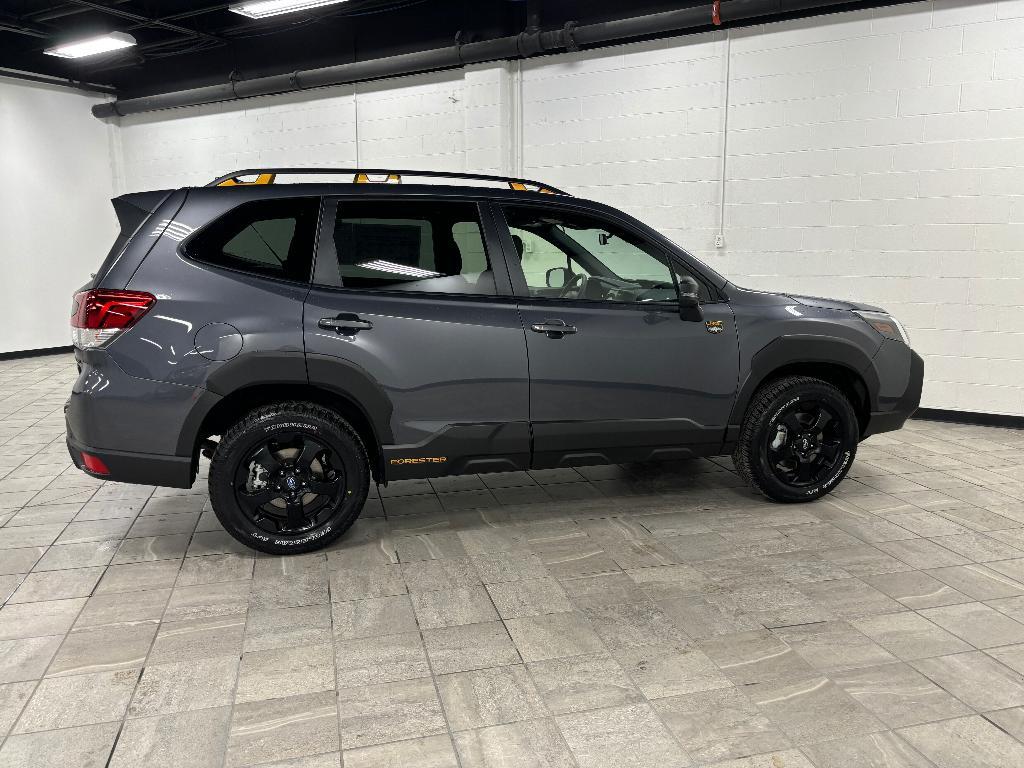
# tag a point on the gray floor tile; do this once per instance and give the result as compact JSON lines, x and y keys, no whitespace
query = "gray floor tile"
{"x":489,"y":697}
{"x":532,"y":597}
{"x":969,"y":742}
{"x":27,"y":658}
{"x":287,"y":627}
{"x":365,"y":583}
{"x":451,"y":607}
{"x":813,"y":709}
{"x":621,"y":737}
{"x":916,"y":589}
{"x":195,"y":739}
{"x":910,"y":636}
{"x":719,"y":725}
{"x":123,"y":608}
{"x":469,"y":646}
{"x":88,"y":746}
{"x":755,"y":656}
{"x":385,"y":659}
{"x":373,"y":618}
{"x":13,"y":698}
{"x":531,"y":744}
{"x":57,"y":585}
{"x":198,"y":639}
{"x":579,"y":683}
{"x":282,"y":672}
{"x":833,"y":646}
{"x":281,"y":729}
{"x":115,"y":647}
{"x":553,"y":636}
{"x":64,"y":702}
{"x":976,"y":679}
{"x":210,"y":569}
{"x":184,"y":686}
{"x":899,"y":695}
{"x":425,"y":752}
{"x":49,"y":617}
{"x":873,"y":750}
{"x":377,"y":714}
{"x":979,"y":625}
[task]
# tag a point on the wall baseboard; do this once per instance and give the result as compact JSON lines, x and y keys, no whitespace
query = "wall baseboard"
{"x":970,"y":417}
{"x":36,"y":352}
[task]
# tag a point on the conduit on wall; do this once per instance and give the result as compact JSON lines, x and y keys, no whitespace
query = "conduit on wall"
{"x":524,"y":45}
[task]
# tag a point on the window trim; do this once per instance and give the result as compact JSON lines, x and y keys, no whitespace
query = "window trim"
{"x":182,"y":250}
{"x":325,"y":278}
{"x":519,"y":276}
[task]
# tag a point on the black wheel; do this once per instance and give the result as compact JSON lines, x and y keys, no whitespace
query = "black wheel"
{"x":289,"y":478}
{"x":798,"y":439}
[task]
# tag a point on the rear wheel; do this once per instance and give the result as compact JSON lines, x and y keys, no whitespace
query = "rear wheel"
{"x":798,"y":439}
{"x":289,"y":478}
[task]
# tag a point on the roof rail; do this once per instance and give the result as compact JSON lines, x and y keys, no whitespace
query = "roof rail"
{"x":367,"y":176}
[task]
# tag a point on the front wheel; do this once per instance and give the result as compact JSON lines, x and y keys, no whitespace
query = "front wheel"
{"x":798,"y":439}
{"x":289,"y":478}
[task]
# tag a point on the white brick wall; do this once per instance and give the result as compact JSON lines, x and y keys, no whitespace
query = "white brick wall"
{"x":875,"y":155}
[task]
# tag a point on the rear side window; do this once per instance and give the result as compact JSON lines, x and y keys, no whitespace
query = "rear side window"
{"x":398,"y":245}
{"x":273,"y":238}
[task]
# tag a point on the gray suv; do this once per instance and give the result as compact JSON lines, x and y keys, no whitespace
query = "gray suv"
{"x":310,"y":336}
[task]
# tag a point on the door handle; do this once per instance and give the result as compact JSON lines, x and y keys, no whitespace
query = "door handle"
{"x":346,"y":323}
{"x":553,"y":329}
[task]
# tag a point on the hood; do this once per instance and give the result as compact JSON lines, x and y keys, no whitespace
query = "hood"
{"x":818,"y":301}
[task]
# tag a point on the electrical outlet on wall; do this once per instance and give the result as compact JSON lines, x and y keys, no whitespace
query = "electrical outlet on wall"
{"x":719,"y":240}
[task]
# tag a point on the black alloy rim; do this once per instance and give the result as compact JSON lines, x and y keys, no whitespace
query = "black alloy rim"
{"x":806,"y":443}
{"x":290,"y":483}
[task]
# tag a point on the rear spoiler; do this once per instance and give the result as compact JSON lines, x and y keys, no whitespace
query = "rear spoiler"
{"x":132,"y":211}
{"x":134,"y":208}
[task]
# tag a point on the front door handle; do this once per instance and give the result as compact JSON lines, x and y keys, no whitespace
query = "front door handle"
{"x":346,"y":323}
{"x":553,"y":329}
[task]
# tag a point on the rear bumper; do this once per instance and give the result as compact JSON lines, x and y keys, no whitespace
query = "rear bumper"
{"x":131,"y":424}
{"x":895,"y":417}
{"x":138,"y":468}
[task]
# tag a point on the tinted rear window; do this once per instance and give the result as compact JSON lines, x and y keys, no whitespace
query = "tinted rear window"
{"x":273,"y":238}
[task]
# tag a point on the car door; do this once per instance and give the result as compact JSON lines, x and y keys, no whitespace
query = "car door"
{"x":408,"y":319}
{"x":616,"y":372}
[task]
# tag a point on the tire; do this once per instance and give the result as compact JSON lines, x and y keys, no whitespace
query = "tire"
{"x":784,"y":451}
{"x":289,"y":478}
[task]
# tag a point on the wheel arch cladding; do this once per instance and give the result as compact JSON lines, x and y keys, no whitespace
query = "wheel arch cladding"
{"x":229,"y":409}
{"x":832,"y":359}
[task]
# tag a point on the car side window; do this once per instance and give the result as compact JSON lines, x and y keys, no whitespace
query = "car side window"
{"x":273,"y":238}
{"x":399,"y":245}
{"x":570,"y":255}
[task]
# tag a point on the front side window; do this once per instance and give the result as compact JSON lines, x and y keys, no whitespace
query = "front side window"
{"x":570,"y":255}
{"x":398,"y":245}
{"x":273,"y":238}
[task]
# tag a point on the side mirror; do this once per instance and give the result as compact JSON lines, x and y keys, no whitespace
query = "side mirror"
{"x":557,"y":277}
{"x":689,"y":300}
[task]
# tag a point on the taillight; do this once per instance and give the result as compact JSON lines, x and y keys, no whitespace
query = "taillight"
{"x":99,"y":315}
{"x":94,"y":464}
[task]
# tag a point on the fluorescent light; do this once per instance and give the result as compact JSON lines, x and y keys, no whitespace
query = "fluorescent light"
{"x":379,"y":265}
{"x":92,"y":46}
{"x":261,"y":9}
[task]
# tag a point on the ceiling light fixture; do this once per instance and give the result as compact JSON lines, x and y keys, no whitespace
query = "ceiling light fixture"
{"x":262,"y":9}
{"x":92,"y":46}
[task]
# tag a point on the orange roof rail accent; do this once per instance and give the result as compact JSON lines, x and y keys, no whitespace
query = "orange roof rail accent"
{"x":237,"y":181}
{"x":389,"y":178}
{"x":377,"y":176}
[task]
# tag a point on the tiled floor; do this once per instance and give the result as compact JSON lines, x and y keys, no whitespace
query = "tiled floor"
{"x":616,"y":616}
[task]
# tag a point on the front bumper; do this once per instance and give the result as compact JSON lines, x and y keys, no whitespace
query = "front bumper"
{"x":904,"y":405}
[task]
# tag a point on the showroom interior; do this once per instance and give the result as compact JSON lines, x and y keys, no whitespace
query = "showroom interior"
{"x":622,"y":613}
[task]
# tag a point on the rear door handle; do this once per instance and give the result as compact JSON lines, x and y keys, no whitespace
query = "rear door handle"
{"x":346,"y":323}
{"x":553,"y":329}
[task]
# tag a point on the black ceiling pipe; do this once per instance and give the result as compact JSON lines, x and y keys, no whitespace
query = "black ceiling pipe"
{"x":521,"y":46}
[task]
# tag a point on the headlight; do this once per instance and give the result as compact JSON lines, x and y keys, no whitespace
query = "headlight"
{"x":887,"y":325}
